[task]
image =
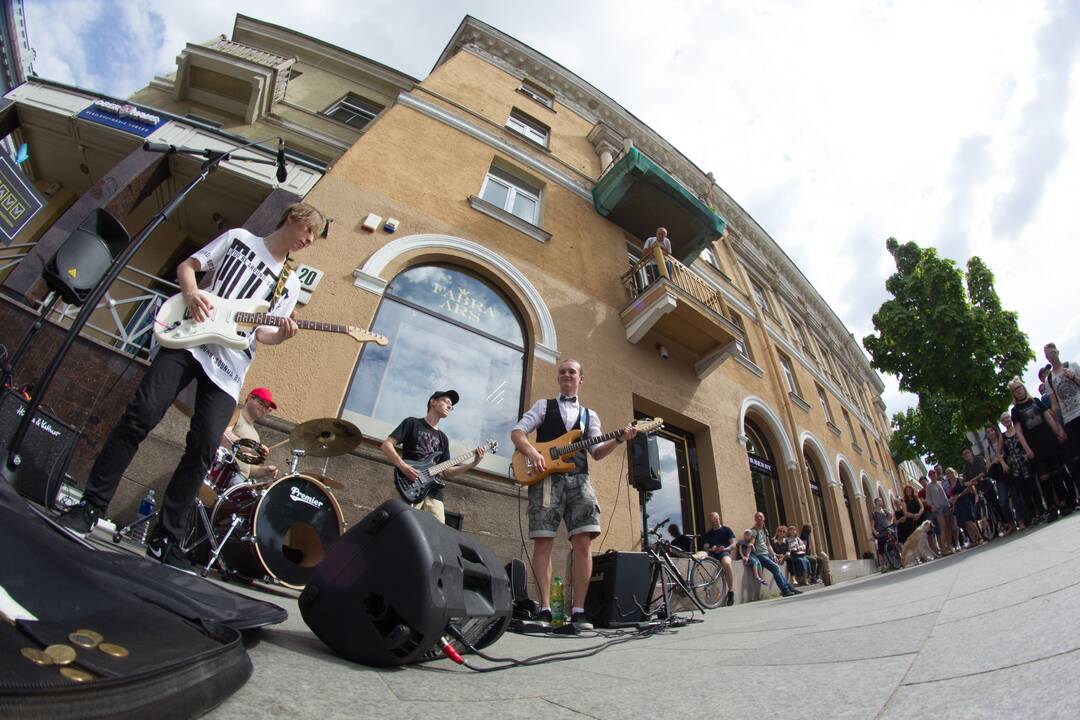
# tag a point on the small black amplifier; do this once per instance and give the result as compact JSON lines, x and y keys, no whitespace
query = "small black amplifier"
{"x":45,"y":450}
{"x":618,"y":589}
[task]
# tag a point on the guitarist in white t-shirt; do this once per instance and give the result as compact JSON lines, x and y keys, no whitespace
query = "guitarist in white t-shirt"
{"x":243,"y":266}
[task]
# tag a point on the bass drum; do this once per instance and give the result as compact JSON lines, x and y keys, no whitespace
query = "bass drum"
{"x":285,"y":529}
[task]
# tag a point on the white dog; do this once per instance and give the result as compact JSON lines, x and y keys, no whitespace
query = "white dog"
{"x":917,"y":546}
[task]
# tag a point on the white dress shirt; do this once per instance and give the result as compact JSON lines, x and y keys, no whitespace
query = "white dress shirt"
{"x":570,"y":411}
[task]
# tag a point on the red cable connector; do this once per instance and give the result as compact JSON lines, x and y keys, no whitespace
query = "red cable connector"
{"x":450,"y":652}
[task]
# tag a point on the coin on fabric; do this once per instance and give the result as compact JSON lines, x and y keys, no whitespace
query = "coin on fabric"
{"x":61,"y":654}
{"x":83,"y":640}
{"x":76,"y":674}
{"x":36,"y":656}
{"x":116,"y":651}
{"x":98,"y":637}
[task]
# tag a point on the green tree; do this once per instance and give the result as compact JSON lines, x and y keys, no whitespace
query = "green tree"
{"x":947,"y":339}
{"x":931,"y":430}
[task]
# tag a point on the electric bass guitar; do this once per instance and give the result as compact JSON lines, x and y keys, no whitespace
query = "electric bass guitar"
{"x":413,"y":491}
{"x":556,"y":451}
{"x":231,"y":323}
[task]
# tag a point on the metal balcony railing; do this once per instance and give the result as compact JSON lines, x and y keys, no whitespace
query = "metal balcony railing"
{"x":636,"y":280}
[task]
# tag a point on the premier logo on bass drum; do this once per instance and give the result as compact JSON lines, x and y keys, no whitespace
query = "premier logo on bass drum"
{"x":296,"y":496}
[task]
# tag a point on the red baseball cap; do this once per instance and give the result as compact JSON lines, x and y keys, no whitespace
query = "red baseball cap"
{"x":264,"y":395}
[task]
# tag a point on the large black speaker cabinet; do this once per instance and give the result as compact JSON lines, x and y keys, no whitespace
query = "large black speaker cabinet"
{"x":388,"y":588}
{"x":44,"y":453}
{"x":78,"y":265}
{"x":644,"y":462}
{"x":618,"y":589}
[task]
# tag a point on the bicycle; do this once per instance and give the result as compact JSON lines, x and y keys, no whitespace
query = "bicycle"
{"x":703,"y":577}
{"x":892,"y":553}
{"x":986,"y":517}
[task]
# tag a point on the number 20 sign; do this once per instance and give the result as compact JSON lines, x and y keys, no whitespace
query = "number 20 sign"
{"x":309,"y":278}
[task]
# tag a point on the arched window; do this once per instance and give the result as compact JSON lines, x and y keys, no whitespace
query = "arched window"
{"x":768,"y":497}
{"x":448,"y":329}
{"x":821,"y":515}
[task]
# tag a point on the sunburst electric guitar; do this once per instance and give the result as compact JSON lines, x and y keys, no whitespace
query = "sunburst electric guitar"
{"x":556,"y":451}
{"x":231,"y":323}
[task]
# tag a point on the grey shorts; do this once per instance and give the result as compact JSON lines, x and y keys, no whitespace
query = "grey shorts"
{"x":572,"y":501}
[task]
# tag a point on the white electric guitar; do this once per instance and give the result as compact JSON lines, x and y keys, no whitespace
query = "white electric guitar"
{"x":231,"y":323}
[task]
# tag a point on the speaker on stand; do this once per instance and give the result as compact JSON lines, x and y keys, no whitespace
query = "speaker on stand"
{"x":389,"y":587}
{"x":644,"y":462}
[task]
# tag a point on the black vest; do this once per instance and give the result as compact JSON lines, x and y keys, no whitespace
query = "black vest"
{"x":552,"y":427}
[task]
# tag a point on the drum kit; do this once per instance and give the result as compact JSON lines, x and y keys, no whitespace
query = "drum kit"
{"x":275,"y":531}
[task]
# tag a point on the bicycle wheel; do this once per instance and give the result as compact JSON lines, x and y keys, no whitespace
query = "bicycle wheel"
{"x":708,"y":583}
{"x":985,"y":520}
{"x":892,"y":555}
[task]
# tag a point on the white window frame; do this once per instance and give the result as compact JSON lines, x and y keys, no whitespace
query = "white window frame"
{"x":528,"y":127}
{"x":789,"y":373}
{"x":760,"y":298}
{"x":351,"y":103}
{"x":824,"y":398}
{"x":515,"y":186}
{"x":537,"y":93}
{"x":709,"y":256}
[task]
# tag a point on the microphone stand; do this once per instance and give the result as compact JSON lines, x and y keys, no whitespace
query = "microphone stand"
{"x":214,"y":158}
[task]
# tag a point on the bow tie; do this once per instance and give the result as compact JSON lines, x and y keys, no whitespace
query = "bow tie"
{"x":563,"y":398}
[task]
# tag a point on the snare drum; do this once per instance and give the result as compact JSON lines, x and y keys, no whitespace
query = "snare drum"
{"x":285,"y":528}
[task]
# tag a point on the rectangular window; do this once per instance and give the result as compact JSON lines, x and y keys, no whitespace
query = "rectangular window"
{"x":869,"y":449}
{"x":760,"y":298}
{"x":800,"y":336}
{"x":537,"y":93}
{"x":710,"y":257}
{"x":512,"y":194}
{"x":847,"y":421}
{"x":744,"y":345}
{"x":824,"y":403}
{"x":534,"y":130}
{"x":355,"y":111}
{"x":789,"y":373}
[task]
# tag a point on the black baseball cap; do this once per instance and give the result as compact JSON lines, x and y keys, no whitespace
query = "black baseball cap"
{"x":452,"y":394}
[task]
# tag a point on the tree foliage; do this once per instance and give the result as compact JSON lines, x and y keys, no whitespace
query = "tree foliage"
{"x":947,"y":339}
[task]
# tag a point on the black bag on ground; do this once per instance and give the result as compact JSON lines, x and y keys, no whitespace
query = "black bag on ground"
{"x":171,"y":644}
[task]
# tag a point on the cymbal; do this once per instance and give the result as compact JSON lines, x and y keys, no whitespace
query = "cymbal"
{"x":325,"y":437}
{"x":327,"y":480}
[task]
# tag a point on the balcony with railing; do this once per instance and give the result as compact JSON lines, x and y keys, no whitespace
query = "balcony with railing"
{"x":671,"y":305}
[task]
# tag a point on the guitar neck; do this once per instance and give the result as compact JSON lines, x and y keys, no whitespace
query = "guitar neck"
{"x":276,"y":321}
{"x":436,"y":469}
{"x":582,"y":444}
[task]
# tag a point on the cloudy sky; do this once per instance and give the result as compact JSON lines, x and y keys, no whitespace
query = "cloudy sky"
{"x":835,"y":124}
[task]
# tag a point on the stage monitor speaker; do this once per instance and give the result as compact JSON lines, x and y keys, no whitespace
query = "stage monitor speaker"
{"x":82,"y":260}
{"x":644,"y":462}
{"x":618,"y":589}
{"x":388,"y":588}
{"x":44,"y":453}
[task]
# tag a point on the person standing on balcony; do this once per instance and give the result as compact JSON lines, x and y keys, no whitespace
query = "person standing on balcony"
{"x":651,"y":271}
{"x":242,"y":266}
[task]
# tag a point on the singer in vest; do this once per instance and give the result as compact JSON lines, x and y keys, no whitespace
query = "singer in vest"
{"x":564,"y":498}
{"x":242,"y":266}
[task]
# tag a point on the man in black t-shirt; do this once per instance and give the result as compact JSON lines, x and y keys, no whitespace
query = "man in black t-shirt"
{"x":719,"y":541}
{"x":422,"y":440}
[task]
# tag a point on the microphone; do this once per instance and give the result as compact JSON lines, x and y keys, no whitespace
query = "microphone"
{"x":158,"y":147}
{"x":282,"y":173}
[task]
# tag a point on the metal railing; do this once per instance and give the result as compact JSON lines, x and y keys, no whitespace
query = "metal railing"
{"x":124,"y":318}
{"x":654,"y":266}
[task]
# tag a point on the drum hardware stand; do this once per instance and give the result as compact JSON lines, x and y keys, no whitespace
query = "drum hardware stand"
{"x":294,"y":461}
{"x":129,"y":529}
{"x":217,"y":547}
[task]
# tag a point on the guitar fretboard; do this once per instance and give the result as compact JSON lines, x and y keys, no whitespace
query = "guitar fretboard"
{"x":276,"y":321}
{"x":558,"y":452}
{"x":436,"y":469}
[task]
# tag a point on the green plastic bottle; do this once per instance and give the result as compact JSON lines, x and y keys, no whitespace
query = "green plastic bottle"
{"x":558,"y":614}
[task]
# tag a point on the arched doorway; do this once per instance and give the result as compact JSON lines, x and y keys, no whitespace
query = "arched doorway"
{"x":768,"y":495}
{"x":817,"y":500}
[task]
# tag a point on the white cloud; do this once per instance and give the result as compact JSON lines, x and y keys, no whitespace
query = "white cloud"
{"x":835,"y":124}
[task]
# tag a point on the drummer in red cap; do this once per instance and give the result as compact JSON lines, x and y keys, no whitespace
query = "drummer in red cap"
{"x":259,"y":404}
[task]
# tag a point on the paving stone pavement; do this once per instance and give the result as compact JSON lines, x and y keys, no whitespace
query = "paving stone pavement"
{"x":991,"y":632}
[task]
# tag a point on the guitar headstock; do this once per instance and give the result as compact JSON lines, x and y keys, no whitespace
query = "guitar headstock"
{"x":361,"y":335}
{"x":645,"y":426}
{"x":491,"y":446}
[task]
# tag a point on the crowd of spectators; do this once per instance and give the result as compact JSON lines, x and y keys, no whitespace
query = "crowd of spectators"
{"x":1025,"y":474}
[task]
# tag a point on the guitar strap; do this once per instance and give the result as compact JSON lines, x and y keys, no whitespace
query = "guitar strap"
{"x":582,"y":423}
{"x":286,"y":270}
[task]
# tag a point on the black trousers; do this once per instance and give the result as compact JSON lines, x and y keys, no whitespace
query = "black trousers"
{"x":171,"y":372}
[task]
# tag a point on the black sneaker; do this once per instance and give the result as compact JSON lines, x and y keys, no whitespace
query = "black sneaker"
{"x":80,"y":519}
{"x":730,"y":599}
{"x":544,"y":616}
{"x":161,"y":548}
{"x":580,"y":622}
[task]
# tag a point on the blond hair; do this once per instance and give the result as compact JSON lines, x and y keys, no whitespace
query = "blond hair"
{"x":307,"y":214}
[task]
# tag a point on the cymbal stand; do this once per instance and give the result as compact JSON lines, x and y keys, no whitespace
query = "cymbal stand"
{"x":294,"y":461}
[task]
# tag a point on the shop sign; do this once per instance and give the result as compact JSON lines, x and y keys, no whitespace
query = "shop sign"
{"x":761,"y":465}
{"x":123,"y":116}
{"x":19,"y":200}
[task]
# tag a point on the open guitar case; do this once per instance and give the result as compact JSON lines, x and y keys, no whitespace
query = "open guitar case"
{"x":181,"y":633}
